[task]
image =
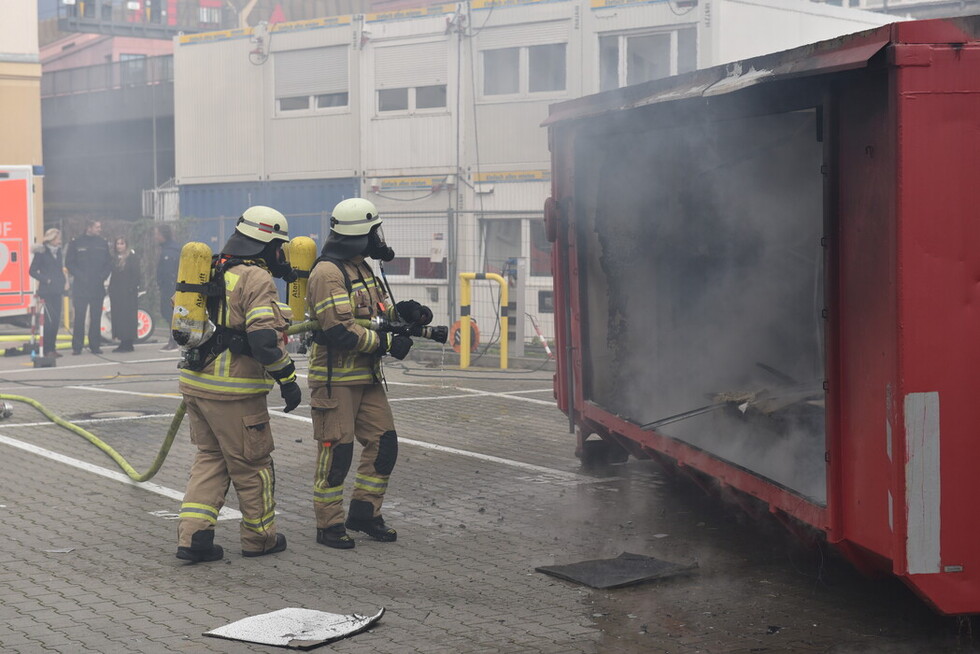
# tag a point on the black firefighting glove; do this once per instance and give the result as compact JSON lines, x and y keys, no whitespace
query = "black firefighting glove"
{"x":414,"y":313}
{"x":399,"y":346}
{"x":292,"y":395}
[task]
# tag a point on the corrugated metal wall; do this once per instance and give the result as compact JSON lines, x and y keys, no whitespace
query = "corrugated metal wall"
{"x":305,"y":203}
{"x":218,"y":113}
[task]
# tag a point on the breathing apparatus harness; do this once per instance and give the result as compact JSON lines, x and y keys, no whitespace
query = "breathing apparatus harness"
{"x":321,"y":337}
{"x":224,"y":338}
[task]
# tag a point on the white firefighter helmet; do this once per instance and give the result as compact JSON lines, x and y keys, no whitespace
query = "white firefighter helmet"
{"x":263,"y":224}
{"x":354,"y":217}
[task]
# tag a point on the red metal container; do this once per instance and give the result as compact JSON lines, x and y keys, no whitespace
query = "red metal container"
{"x":769,"y":273}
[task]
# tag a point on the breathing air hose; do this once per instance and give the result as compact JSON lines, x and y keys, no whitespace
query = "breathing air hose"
{"x":99,"y":443}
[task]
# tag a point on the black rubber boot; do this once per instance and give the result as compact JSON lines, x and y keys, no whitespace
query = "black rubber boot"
{"x":334,"y":536}
{"x":361,"y":518}
{"x":278,"y":547}
{"x":202,"y":549}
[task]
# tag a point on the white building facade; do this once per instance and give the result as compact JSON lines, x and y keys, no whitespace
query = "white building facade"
{"x":434,"y":114}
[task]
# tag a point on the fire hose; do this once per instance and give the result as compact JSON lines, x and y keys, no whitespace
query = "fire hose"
{"x":433,"y":333}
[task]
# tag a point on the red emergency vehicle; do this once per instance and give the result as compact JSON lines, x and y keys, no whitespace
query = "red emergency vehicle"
{"x":16,"y":238}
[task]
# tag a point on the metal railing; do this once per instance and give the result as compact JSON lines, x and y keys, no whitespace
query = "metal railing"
{"x":157,"y":19}
{"x":102,"y":77}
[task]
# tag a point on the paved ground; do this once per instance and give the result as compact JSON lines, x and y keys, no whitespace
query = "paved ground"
{"x":485,"y":490}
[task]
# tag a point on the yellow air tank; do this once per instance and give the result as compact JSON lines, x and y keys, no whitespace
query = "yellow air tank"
{"x":302,"y":256}
{"x":190,"y":324}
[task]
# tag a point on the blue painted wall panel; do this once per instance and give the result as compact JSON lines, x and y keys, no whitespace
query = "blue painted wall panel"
{"x":306,"y":203}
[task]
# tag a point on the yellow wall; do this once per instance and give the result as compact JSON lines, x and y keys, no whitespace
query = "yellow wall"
{"x":20,"y":126}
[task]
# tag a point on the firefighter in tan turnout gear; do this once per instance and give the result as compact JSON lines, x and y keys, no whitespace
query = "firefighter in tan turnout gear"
{"x":346,"y":392}
{"x":225,"y":382}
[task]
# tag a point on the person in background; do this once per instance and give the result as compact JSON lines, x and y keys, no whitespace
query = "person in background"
{"x":89,"y":263}
{"x":167,"y":278}
{"x":124,"y":286}
{"x":47,"y":268}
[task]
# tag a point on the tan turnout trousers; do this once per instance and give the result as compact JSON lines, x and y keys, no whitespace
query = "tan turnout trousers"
{"x":350,"y":412}
{"x":234,"y":446}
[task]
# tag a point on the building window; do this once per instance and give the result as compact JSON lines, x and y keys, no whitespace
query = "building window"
{"x":311,"y":79}
{"x":546,"y":68}
{"x":294,"y":104}
{"x":399,"y":266}
{"x":425,"y":268}
{"x":626,"y":59}
{"x":326,"y":100}
{"x":501,"y":71}
{"x":505,"y":239}
{"x":531,"y":69}
{"x":411,"y":77}
{"x":430,"y":97}
{"x":420,"y":241}
{"x":393,"y":100}
{"x":416,"y":268}
{"x":411,"y":99}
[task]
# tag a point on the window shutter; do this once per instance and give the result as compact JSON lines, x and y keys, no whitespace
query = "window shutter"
{"x":311,"y":72}
{"x":511,"y":36}
{"x":419,"y":64}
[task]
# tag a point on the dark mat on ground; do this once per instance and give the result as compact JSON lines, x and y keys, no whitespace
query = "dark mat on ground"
{"x":624,"y":570}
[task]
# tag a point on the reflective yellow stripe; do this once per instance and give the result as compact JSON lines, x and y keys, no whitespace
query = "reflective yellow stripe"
{"x":320,"y":374}
{"x":370,"y":342}
{"x":280,"y":364}
{"x":268,"y":505}
{"x":262,"y":524}
{"x":371,"y":484}
{"x":372,"y":282}
{"x":226,"y":384}
{"x":322,"y":467}
{"x":231,"y":281}
{"x":222,"y":365}
{"x":333,"y":301}
{"x":268,"y":485}
{"x":333,"y":495}
{"x":191,"y":510}
{"x":258,"y":312}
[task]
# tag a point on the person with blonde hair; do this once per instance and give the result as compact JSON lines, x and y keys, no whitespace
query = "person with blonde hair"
{"x":47,"y":268}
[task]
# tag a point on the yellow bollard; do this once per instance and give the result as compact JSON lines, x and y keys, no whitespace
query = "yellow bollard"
{"x":465,"y":280}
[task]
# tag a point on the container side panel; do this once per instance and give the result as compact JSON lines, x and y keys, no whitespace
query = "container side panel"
{"x":866,"y":313}
{"x":702,"y":277}
{"x":939,"y":268}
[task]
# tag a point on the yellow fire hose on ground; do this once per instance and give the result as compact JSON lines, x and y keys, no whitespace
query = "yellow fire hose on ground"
{"x":99,"y":443}
{"x":168,"y":441}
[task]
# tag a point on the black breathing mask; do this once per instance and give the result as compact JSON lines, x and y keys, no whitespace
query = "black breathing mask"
{"x":376,"y":246}
{"x":279,"y":265}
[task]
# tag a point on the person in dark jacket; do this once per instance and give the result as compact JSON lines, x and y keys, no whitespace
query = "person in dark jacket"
{"x":124,"y":287}
{"x":47,"y":268}
{"x":89,"y":263}
{"x":167,"y":277}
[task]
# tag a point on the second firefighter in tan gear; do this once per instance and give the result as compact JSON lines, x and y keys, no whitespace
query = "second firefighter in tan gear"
{"x":225,"y":386}
{"x":347,"y":396}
